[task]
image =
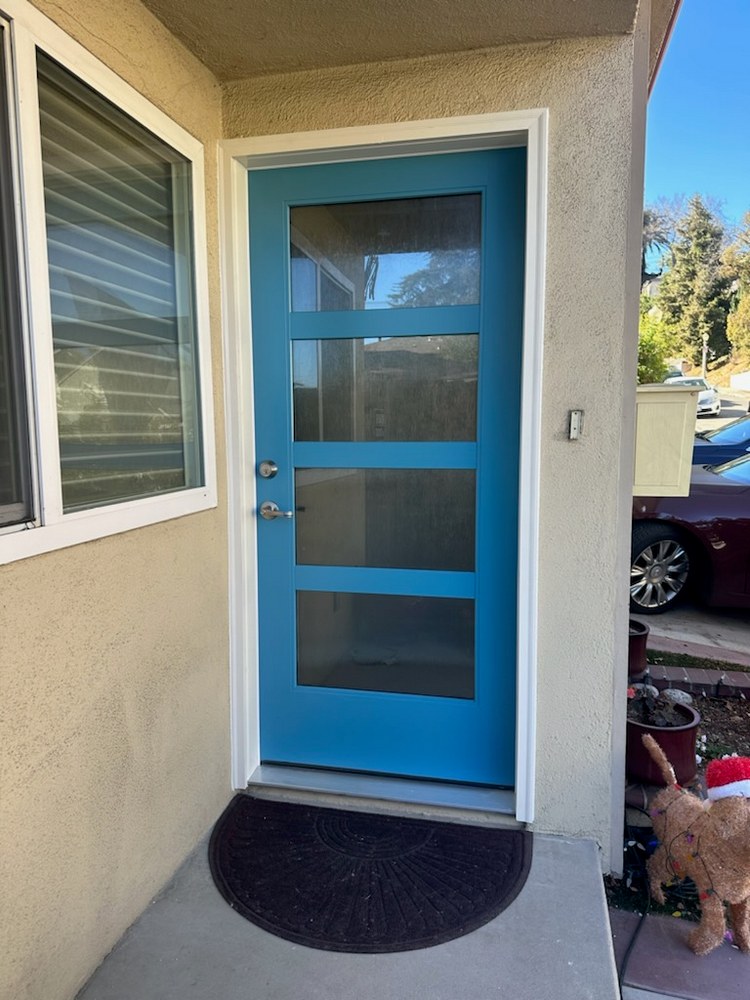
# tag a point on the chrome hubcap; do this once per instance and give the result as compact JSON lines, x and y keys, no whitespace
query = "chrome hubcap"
{"x":658,"y":574}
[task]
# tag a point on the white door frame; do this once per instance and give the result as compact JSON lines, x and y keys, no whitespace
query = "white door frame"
{"x":526,"y":128}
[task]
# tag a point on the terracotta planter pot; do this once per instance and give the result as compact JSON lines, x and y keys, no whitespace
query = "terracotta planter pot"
{"x":637,"y":649}
{"x":677,"y":742}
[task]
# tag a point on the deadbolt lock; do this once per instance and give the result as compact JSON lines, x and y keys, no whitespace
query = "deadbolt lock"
{"x":267,"y":469}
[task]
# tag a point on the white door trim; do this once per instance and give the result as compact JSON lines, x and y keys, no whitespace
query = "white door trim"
{"x":527,"y":128}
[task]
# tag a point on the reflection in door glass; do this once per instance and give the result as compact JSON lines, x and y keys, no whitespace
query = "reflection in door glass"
{"x":378,"y":642}
{"x":397,"y":518}
{"x":386,"y":389}
{"x":386,"y":254}
{"x":317,"y":286}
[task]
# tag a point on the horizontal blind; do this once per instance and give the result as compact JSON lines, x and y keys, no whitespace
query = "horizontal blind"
{"x":117,"y":203}
{"x":15,"y":485}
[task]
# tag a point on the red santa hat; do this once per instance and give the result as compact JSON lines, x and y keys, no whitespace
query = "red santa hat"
{"x":728,"y":777}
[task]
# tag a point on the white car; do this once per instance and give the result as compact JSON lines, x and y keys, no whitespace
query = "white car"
{"x":709,"y":402}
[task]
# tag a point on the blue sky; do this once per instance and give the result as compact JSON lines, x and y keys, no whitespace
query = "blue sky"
{"x":698,"y":137}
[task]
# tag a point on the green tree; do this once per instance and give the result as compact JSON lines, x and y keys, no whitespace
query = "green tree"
{"x":737,"y":265}
{"x":657,"y":236}
{"x":451,"y":277}
{"x":655,"y":344}
{"x":738,"y":324}
{"x":737,"y":254}
{"x":695,"y":292}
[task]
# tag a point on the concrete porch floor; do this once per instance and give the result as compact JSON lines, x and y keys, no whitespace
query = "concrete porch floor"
{"x":552,"y":943}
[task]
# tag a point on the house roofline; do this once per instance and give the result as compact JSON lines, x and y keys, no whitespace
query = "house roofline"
{"x":665,"y":43}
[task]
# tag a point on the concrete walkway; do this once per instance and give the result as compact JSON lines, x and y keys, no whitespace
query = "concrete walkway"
{"x":661,"y":966}
{"x":702,"y":632}
{"x":552,"y":943}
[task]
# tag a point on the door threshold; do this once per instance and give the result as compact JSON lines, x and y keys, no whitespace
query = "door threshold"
{"x":397,"y":796}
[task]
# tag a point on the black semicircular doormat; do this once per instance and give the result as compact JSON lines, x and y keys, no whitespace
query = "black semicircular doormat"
{"x":348,"y":881}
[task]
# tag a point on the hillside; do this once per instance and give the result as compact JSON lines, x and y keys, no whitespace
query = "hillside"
{"x":719,"y":374}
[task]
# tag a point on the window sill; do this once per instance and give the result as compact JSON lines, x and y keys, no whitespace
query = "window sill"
{"x":24,"y":541}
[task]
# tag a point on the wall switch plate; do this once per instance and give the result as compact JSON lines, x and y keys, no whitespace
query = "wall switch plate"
{"x":575,"y":426}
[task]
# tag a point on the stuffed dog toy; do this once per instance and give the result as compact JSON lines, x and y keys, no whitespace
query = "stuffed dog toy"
{"x":707,"y":842}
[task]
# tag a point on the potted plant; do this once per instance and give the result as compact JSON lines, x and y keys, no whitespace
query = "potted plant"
{"x":674,"y":727}
{"x":637,"y":639}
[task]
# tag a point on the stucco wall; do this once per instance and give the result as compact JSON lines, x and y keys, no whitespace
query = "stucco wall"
{"x":114,"y":682}
{"x":588,"y":87}
{"x":114,"y":653}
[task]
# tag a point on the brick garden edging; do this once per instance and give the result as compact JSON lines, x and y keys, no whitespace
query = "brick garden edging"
{"x":698,"y":681}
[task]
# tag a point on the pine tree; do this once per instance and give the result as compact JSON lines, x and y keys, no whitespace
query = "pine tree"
{"x":694,"y":295}
{"x":737,"y":265}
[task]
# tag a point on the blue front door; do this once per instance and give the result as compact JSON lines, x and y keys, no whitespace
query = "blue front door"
{"x":387,"y":301}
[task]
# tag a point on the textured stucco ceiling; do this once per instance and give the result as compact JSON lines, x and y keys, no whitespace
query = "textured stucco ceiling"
{"x":243,"y":38}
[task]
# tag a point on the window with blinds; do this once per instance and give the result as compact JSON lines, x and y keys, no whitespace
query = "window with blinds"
{"x":15,"y":488}
{"x":118,"y":214}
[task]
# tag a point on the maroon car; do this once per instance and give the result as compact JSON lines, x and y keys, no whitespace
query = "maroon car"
{"x":698,"y":543}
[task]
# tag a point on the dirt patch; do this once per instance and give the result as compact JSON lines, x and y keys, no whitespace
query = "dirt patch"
{"x":725,"y":722}
{"x":719,"y":374}
{"x":631,"y":892}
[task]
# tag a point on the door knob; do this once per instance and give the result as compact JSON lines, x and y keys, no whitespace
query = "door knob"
{"x":269,"y":510}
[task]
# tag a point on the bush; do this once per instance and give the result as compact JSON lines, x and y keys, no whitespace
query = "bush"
{"x":655,"y":345}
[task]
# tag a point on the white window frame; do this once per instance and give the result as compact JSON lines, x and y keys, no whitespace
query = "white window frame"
{"x":51,"y":528}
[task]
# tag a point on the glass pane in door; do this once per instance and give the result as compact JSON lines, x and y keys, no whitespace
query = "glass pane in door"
{"x":386,"y":388}
{"x":386,"y":642}
{"x":386,"y":254}
{"x":401,"y":518}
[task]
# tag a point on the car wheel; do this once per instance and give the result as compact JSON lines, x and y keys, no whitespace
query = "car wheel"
{"x":659,"y":570}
